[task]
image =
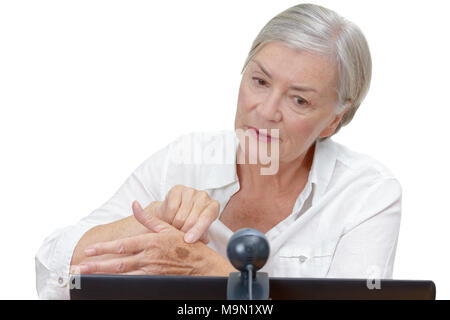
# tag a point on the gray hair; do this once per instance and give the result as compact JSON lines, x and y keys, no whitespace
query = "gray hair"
{"x":320,"y":30}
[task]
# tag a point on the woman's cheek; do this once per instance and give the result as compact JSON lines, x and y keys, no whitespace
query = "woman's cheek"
{"x":304,"y":133}
{"x":245,"y":100}
{"x":303,"y":128}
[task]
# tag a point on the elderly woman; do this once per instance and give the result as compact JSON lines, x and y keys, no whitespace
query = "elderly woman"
{"x":327,"y":211}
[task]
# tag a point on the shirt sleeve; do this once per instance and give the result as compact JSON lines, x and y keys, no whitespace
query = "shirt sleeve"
{"x":53,"y":258}
{"x":367,"y":248}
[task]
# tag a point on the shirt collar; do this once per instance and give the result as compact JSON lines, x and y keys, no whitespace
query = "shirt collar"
{"x":215,"y":176}
{"x":325,"y":153}
{"x":323,"y":164}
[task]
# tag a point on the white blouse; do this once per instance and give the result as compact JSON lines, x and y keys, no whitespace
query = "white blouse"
{"x":344,"y":224}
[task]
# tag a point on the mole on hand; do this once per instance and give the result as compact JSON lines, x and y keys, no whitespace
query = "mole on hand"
{"x":181,"y":252}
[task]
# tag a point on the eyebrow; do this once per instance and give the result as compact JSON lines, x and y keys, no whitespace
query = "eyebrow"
{"x":299,"y":88}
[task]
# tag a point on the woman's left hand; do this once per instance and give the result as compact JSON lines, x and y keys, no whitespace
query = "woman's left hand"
{"x":161,"y":253}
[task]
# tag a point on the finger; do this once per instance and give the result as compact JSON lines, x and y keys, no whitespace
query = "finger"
{"x":206,"y":218}
{"x":162,"y":208}
{"x":172,"y":204}
{"x":135,"y":273}
{"x":149,"y":221}
{"x":129,"y":245}
{"x":75,"y":269}
{"x":201,"y":201}
{"x":205,"y":238}
{"x":187,"y":204}
{"x":111,"y":266}
{"x":191,"y":220}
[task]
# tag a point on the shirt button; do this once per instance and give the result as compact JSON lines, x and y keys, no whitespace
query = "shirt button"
{"x":302,"y":258}
{"x":61,"y":282}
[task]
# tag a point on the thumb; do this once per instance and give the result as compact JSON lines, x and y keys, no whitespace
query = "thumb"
{"x":150,"y":221}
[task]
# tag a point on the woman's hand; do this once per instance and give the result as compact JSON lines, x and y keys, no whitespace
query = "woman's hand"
{"x":187,"y":209}
{"x":158,"y":253}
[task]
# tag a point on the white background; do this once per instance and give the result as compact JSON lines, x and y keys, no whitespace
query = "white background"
{"x":90,"y":89}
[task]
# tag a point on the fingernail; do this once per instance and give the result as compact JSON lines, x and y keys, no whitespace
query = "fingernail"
{"x":84,"y":268}
{"x":189,"y":237}
{"x":89,"y":252}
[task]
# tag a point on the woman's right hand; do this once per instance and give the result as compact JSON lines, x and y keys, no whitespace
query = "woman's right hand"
{"x":187,"y":209}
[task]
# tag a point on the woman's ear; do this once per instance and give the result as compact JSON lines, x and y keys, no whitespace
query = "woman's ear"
{"x":329,"y":130}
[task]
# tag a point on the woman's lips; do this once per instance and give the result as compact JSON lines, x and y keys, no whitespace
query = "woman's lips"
{"x":261,"y":136}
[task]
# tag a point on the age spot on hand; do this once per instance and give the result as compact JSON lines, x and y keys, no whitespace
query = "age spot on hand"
{"x":181,"y":252}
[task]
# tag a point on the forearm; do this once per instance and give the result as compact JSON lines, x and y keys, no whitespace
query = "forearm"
{"x":123,"y":228}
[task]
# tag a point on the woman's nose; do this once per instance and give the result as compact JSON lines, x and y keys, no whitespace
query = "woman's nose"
{"x":269,"y":109}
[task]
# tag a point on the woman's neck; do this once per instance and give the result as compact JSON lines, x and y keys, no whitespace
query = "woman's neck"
{"x":289,"y":176}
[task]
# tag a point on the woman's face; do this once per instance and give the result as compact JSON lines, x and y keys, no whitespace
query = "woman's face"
{"x":290,"y":90}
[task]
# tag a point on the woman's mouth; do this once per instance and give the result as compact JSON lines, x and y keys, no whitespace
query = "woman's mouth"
{"x":261,"y":136}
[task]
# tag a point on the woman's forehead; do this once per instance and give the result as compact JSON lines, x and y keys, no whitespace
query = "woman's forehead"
{"x":285,"y":63}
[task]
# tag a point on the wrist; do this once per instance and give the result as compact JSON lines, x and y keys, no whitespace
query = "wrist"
{"x":219,"y":266}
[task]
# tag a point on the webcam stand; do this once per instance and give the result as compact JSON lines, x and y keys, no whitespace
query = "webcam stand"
{"x":248,"y":286}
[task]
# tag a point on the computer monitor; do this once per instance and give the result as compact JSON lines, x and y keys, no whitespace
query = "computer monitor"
{"x":125,"y":287}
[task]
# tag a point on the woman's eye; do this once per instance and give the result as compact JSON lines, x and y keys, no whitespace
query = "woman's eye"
{"x":259,"y":81}
{"x":300,"y":101}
